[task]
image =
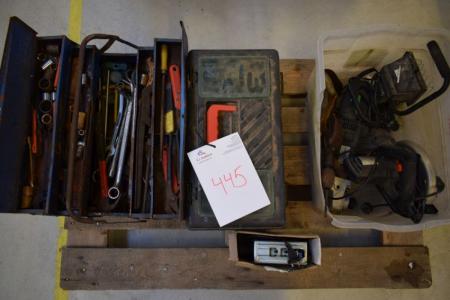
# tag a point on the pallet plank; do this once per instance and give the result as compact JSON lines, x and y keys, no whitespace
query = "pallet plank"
{"x":87,"y":238}
{"x":292,"y":101}
{"x":293,"y":120}
{"x":105,"y":269}
{"x":402,"y":238}
{"x":296,"y":165}
{"x":296,"y":73}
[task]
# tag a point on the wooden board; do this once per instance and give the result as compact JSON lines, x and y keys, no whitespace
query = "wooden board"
{"x":294,"y":119}
{"x":109,"y":269}
{"x":295,"y":75}
{"x":296,"y":165}
{"x":87,"y":238}
{"x":402,"y":238}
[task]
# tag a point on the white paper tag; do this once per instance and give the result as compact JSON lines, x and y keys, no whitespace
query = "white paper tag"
{"x":229,"y":179}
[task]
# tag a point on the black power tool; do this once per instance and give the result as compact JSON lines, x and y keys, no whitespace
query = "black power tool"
{"x":358,"y":148}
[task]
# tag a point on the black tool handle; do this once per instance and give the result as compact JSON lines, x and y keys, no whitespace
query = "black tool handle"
{"x":439,"y":59}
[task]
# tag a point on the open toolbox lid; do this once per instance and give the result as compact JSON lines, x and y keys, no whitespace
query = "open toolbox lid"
{"x":17,"y":80}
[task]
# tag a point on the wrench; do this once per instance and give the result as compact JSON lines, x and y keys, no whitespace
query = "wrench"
{"x":134,"y":92}
{"x":115,"y":154}
{"x":129,"y":80}
{"x":114,"y":191}
{"x":112,"y":148}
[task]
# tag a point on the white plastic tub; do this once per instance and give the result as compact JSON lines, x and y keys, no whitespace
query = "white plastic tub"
{"x":349,"y":52}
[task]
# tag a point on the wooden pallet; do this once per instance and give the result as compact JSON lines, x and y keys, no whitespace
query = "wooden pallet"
{"x":401,"y":260}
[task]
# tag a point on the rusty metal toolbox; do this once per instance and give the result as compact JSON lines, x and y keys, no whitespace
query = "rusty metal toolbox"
{"x":66,"y":165}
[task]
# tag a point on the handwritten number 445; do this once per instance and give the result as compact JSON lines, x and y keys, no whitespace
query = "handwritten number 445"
{"x":233,"y":181}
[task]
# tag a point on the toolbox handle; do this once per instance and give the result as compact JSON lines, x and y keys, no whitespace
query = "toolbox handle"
{"x":439,"y":59}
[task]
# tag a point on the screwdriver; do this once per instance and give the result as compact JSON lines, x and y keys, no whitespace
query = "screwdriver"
{"x":168,"y":157}
{"x":169,"y":128}
{"x":164,"y":53}
{"x":175,"y":80}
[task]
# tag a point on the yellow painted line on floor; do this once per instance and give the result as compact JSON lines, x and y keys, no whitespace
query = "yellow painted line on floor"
{"x":59,"y":293}
{"x":75,"y":18}
{"x":73,"y":33}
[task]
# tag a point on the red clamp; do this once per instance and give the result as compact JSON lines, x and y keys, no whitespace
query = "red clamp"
{"x":212,"y":120}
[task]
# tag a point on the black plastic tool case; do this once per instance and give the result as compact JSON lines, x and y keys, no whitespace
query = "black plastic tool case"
{"x":18,"y":86}
{"x":249,"y":80}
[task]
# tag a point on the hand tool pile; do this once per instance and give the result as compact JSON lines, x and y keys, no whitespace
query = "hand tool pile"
{"x":110,"y":132}
{"x":39,"y":141}
{"x":364,"y":169}
{"x":89,"y":143}
{"x":124,"y":116}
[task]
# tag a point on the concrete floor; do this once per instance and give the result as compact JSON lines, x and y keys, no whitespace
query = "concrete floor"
{"x":28,"y":243}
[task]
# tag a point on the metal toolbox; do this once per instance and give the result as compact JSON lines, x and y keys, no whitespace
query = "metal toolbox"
{"x":81,"y":135}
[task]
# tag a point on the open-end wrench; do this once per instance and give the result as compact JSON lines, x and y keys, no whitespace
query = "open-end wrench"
{"x":112,"y":148}
{"x":107,"y":102}
{"x":114,"y":191}
{"x":133,"y":88}
{"x":116,"y":150}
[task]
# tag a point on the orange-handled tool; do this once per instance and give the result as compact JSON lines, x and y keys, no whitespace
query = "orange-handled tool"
{"x":104,"y":185}
{"x":175,"y":80}
{"x":34,"y":137}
